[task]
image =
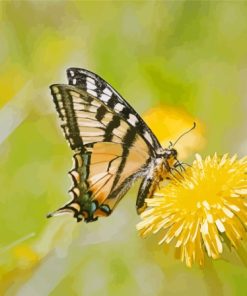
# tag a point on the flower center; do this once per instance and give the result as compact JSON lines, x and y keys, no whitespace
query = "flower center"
{"x":204,"y":191}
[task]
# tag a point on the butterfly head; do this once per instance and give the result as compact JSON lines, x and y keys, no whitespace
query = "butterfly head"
{"x":170,"y":155}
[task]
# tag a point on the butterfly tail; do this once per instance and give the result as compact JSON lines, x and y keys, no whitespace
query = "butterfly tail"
{"x":70,"y":208}
{"x":80,"y":206}
{"x":74,"y":208}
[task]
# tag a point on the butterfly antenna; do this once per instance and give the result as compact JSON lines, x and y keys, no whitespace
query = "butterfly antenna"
{"x":194,"y":125}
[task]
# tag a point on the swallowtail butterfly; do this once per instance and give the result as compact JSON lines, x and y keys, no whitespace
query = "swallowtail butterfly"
{"x":113,"y":147}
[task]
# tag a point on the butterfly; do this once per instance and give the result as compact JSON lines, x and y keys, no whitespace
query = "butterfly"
{"x":113,"y":147}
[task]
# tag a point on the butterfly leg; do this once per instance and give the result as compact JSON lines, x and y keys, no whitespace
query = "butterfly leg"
{"x":177,"y":172}
{"x":181,"y":165}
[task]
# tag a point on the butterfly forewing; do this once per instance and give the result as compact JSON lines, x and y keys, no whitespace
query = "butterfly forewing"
{"x":110,"y":152}
{"x":99,"y":88}
{"x":85,"y":119}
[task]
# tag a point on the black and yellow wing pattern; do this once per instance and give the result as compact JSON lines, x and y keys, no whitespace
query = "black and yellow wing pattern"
{"x":112,"y":145}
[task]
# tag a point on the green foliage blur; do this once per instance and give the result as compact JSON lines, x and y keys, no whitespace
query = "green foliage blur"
{"x":187,"y":54}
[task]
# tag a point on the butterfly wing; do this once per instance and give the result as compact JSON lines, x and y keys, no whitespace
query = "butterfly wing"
{"x":110,"y":152}
{"x":99,"y":88}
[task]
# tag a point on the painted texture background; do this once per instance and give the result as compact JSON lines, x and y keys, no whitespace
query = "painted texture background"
{"x":189,"y":55}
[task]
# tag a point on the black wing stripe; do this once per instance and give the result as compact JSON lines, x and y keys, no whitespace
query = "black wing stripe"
{"x":112,"y":102}
{"x":101,"y":113}
{"x":115,"y":123}
{"x":72,"y":132}
{"x":128,"y":140}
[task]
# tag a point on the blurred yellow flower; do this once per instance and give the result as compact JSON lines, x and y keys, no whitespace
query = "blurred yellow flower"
{"x":168,"y":123}
{"x":201,"y":210}
{"x":9,"y":90}
{"x":26,"y":256}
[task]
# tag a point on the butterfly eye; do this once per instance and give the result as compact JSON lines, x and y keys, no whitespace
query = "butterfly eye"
{"x":174,"y":152}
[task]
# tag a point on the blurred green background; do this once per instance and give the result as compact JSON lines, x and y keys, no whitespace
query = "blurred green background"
{"x":192,"y":55}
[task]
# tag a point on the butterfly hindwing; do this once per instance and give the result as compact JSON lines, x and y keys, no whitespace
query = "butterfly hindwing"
{"x":110,"y":152}
{"x":94,"y":192}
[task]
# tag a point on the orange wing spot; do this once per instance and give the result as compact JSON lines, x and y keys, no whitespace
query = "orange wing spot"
{"x":85,"y":214}
{"x":100,"y":213}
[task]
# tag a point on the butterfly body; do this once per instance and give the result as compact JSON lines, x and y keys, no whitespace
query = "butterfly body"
{"x":113,"y":147}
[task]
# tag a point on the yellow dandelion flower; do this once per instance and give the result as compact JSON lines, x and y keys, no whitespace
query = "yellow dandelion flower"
{"x":168,"y":123}
{"x":201,"y":210}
